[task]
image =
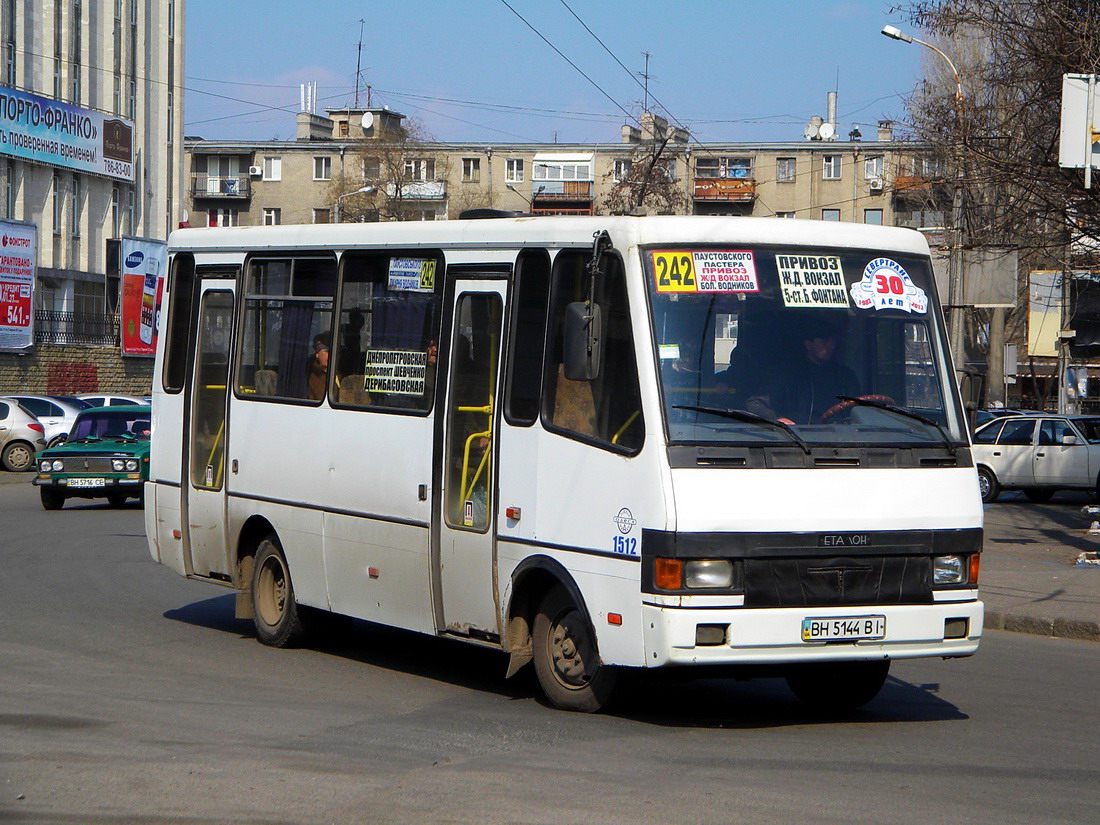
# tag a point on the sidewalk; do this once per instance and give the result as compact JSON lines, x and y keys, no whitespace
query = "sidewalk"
{"x":1029,"y":581}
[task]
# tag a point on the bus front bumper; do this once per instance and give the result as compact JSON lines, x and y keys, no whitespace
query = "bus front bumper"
{"x":775,"y":635}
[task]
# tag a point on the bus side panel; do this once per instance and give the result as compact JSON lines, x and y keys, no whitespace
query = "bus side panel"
{"x":609,"y":585}
{"x":378,"y":571}
{"x":598,"y":501}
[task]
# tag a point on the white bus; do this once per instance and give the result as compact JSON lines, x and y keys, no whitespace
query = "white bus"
{"x":592,"y":443}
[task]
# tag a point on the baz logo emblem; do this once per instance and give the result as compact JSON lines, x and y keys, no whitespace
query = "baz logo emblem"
{"x":844,"y":540}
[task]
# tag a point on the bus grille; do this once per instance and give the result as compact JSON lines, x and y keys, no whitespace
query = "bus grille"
{"x":835,"y":582}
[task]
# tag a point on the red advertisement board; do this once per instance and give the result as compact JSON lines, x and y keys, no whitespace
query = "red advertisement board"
{"x":142,"y":286}
{"x":17,"y":257}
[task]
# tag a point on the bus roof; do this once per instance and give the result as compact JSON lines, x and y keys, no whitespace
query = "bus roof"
{"x":553,"y":231}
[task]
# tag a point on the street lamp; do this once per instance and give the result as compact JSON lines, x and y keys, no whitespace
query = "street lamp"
{"x":956,"y":330}
{"x":512,"y":187}
{"x":362,"y":190}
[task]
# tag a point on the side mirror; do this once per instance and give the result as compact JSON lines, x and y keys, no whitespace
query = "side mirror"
{"x":583,"y":336}
{"x":1068,"y":439}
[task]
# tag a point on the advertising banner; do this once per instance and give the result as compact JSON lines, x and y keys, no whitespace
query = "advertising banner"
{"x":143,"y":265}
{"x":59,"y":134}
{"x":17,"y":262}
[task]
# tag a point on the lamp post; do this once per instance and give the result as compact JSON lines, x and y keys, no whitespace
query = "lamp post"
{"x":512,"y":188}
{"x":956,"y":323}
{"x":362,"y":190}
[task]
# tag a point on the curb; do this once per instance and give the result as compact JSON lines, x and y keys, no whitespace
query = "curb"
{"x":1058,"y":628}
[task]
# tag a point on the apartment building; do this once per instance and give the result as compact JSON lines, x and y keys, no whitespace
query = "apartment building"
{"x":91,"y":111}
{"x":317,"y":177}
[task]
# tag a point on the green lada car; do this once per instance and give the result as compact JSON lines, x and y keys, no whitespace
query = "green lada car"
{"x":105,"y":456}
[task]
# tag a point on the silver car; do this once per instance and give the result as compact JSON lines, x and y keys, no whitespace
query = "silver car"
{"x":21,"y":436}
{"x":1039,"y":454}
{"x":113,"y":399}
{"x":55,"y":413}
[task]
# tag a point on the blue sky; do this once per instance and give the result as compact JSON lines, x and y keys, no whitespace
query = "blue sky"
{"x":472,"y":70}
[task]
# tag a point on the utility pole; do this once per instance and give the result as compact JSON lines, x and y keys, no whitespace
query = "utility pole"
{"x":358,"y":63}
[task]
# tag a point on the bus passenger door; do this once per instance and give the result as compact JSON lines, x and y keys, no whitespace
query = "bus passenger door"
{"x":204,"y":453}
{"x":466,"y":520}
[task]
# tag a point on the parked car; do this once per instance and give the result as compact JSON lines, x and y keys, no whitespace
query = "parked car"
{"x":21,"y":436}
{"x":106,"y":456}
{"x":54,"y":412}
{"x":111,"y":399}
{"x":1039,"y":454}
{"x":985,"y":416}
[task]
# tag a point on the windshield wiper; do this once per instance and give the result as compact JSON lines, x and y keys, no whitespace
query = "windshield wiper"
{"x":894,"y":408}
{"x":751,"y":418}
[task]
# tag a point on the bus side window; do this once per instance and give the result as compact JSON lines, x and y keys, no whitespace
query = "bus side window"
{"x":287,"y":327}
{"x":387,"y":331}
{"x":606,"y":410}
{"x":180,"y":305}
{"x":527,"y":337}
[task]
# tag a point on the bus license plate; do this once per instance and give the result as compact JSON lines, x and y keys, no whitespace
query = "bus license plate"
{"x":844,"y":628}
{"x":87,"y":482}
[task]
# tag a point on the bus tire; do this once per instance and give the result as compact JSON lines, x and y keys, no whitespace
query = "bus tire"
{"x":274,"y":610}
{"x":567,"y":662}
{"x":836,"y":686}
{"x":988,"y":485}
{"x":51,"y":499}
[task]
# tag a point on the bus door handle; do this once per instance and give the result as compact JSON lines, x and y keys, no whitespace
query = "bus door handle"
{"x":235,"y":466}
{"x":996,"y":452}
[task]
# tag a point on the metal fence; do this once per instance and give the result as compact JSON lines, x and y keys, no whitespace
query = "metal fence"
{"x":91,"y":328}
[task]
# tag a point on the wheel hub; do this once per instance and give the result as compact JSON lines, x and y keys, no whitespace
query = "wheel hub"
{"x":568,"y":643}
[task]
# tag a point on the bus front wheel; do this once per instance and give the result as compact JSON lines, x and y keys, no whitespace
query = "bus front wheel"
{"x":567,"y":661}
{"x":274,"y":609}
{"x":833,"y":686}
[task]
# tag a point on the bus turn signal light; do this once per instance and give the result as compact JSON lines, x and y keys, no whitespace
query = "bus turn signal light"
{"x":975,"y":565}
{"x":668,"y":574}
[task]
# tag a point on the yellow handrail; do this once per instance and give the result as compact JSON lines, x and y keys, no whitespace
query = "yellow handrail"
{"x":213,"y":449}
{"x":622,"y":429}
{"x":467,"y":490}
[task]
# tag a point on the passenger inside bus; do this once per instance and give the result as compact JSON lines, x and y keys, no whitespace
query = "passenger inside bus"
{"x":808,"y":387}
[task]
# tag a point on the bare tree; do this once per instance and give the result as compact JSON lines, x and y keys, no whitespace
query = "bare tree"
{"x":999,"y":140}
{"x":647,"y":176}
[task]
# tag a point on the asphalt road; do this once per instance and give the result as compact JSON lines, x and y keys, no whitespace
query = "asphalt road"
{"x":128,"y":694}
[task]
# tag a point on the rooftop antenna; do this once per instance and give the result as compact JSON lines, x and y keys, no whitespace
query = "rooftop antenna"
{"x":645,"y":86}
{"x":358,"y":61}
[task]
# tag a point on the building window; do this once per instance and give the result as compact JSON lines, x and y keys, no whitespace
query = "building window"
{"x":562,"y":171}
{"x":784,"y":214}
{"x":513,"y":170}
{"x":273,"y":217}
{"x":9,"y":42}
{"x":9,"y":189}
{"x":74,"y":66}
{"x":223,"y":217}
{"x":116,"y":212}
{"x":343,"y":128}
{"x":471,"y":170}
{"x":273,"y":168}
{"x":931,"y":168}
{"x":830,"y":214}
{"x":873,"y":168}
{"x":322,"y":216}
{"x":872,"y":216}
{"x":322,"y":168}
{"x":420,"y":169}
{"x":74,"y":207}
{"x":620,"y":171}
{"x":88,"y":298}
{"x":784,"y":170}
{"x":56,"y":185}
{"x":372,"y":168}
{"x":830,"y":169}
{"x":720,"y":167}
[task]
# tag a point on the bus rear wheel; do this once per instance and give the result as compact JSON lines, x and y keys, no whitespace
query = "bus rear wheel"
{"x":567,"y":661}
{"x":834,"y":686}
{"x":274,"y":610}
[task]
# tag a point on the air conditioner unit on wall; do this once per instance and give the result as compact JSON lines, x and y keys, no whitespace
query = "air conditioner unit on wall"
{"x":255,"y":170}
{"x":875,"y":184}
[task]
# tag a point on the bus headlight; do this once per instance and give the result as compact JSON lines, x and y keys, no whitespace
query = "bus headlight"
{"x":708,"y":574}
{"x":118,"y":465}
{"x":948,"y":570}
{"x":58,"y":465}
{"x":131,"y":465}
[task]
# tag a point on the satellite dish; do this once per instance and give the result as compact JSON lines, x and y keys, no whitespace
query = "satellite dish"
{"x":368,"y":120}
{"x":810,"y":132}
{"x":827,"y":131}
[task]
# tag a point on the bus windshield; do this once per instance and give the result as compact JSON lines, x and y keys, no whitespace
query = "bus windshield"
{"x":767,"y":345}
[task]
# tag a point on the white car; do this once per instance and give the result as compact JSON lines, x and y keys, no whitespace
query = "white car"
{"x":1039,"y":454}
{"x":113,"y":399}
{"x":54,"y":412}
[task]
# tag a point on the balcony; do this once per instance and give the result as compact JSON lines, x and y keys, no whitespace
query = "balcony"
{"x":562,"y":190}
{"x":912,"y":183}
{"x":729,"y":190}
{"x":233,"y":187}
{"x":418,"y":190}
